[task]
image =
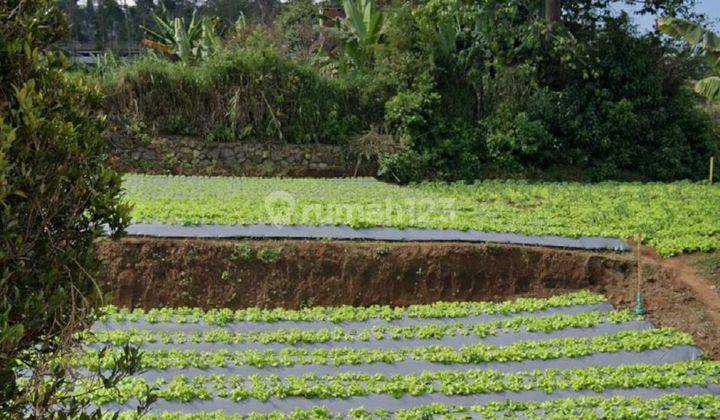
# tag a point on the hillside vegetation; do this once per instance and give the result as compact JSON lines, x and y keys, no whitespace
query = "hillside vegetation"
{"x":462,"y":91}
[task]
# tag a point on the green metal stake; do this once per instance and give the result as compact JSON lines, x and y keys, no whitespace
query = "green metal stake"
{"x":639,"y":307}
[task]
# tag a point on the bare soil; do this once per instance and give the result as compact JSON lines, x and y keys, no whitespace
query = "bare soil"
{"x":292,"y":274}
{"x":681,"y":296}
{"x":150,"y":272}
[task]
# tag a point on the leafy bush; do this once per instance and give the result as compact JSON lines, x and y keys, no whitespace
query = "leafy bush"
{"x":514,"y":140}
{"x":591,"y":100}
{"x":55,"y":194}
{"x":240,"y":93}
{"x":194,"y":42}
{"x":410,"y":112}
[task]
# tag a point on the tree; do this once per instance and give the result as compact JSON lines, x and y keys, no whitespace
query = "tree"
{"x":263,"y":11}
{"x":553,"y":10}
{"x":55,"y":196}
{"x":702,"y":41}
{"x":591,"y":14}
{"x":194,"y":42}
{"x":361,"y":30}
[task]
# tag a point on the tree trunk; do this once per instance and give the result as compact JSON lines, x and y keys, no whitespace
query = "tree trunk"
{"x":553,"y":10}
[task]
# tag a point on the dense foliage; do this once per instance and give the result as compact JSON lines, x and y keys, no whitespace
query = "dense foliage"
{"x":117,"y":24}
{"x":590,"y":98}
{"x":465,"y":90}
{"x":54,"y":195}
{"x":235,"y":95}
{"x":674,"y":218}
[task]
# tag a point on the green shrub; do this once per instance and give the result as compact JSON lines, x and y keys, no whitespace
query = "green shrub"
{"x":55,"y":195}
{"x":410,"y":112}
{"x":634,"y":116}
{"x":515,"y":140}
{"x":252,"y":93}
{"x":504,"y":97}
{"x":452,"y":150}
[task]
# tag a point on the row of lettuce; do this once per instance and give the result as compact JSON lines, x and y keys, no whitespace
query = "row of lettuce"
{"x":572,"y":347}
{"x":198,"y":359}
{"x":347,"y":313}
{"x":546,"y":324}
{"x":673,"y":218}
{"x":446,"y":382}
{"x":616,"y":408}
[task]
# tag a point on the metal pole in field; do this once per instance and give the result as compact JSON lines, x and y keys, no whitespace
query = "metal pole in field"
{"x":712,"y":166}
{"x":639,"y":307}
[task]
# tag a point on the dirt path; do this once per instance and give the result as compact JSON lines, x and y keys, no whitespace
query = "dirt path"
{"x":676,"y":294}
{"x":688,"y":274}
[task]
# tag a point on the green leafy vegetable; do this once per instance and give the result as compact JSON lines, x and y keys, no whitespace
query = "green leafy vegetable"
{"x":632,"y":340}
{"x":446,"y":382}
{"x":349,"y":313}
{"x":296,"y":335}
{"x":674,"y":217}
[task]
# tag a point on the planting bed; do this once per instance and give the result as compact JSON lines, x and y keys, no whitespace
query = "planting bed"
{"x":674,"y":217}
{"x":570,"y":354}
{"x":373,"y":234}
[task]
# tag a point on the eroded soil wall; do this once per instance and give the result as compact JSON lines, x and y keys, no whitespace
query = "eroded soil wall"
{"x":147,"y":272}
{"x":144,"y":272}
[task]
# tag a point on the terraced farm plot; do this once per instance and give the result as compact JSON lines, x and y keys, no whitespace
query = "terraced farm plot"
{"x":674,"y":217}
{"x":566,"y":356}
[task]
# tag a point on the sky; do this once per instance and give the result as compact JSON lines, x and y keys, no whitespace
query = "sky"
{"x":711,"y":8}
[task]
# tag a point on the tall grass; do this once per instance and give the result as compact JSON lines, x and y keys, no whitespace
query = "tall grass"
{"x":241,"y":93}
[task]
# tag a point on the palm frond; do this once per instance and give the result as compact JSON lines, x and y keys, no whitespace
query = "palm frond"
{"x":709,"y":87}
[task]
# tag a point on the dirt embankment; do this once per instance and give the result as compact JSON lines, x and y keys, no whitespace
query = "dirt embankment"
{"x":210,"y":273}
{"x":146,"y":272}
{"x":678,"y":295}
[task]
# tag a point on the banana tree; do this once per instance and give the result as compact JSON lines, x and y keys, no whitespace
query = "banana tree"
{"x":189,"y":44}
{"x":702,"y":41}
{"x":361,"y":30}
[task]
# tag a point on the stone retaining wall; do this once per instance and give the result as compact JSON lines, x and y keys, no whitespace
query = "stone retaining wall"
{"x":191,"y":156}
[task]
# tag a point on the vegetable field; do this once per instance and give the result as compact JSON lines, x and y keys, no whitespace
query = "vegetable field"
{"x":565,"y":356}
{"x":674,"y":218}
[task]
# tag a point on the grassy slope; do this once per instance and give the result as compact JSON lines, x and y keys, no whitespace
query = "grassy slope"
{"x":673,"y":217}
{"x":709,"y":265}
